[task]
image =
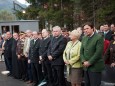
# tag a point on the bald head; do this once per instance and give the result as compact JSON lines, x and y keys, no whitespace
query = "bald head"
{"x":8,"y":35}
{"x":56,"y":31}
{"x":45,"y":33}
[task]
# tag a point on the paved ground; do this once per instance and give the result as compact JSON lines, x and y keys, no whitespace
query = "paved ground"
{"x":9,"y":81}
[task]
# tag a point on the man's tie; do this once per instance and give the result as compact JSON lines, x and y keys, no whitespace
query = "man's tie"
{"x":34,"y":41}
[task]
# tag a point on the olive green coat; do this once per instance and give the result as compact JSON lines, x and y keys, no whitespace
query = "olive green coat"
{"x":91,"y":51}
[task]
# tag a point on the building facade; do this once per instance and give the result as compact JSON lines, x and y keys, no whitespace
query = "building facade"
{"x":19,"y":25}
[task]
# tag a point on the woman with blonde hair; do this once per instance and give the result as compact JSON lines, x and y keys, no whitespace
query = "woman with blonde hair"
{"x":71,"y":58}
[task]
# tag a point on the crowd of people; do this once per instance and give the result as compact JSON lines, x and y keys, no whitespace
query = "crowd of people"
{"x":82,"y":53}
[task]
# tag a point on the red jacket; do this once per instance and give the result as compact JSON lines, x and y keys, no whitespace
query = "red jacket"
{"x":106,"y":45}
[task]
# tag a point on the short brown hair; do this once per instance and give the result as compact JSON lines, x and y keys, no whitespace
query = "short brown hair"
{"x":89,"y":24}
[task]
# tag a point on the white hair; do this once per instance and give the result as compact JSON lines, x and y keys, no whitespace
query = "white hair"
{"x":57,"y":27}
{"x":76,"y":33}
{"x":3,"y":35}
{"x":27,"y":31}
{"x":34,"y":32}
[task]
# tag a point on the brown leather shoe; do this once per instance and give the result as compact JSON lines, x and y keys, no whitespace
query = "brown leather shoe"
{"x":28,"y":82}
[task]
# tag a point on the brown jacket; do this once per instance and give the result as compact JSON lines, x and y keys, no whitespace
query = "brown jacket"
{"x":19,"y":48}
{"x":110,"y":54}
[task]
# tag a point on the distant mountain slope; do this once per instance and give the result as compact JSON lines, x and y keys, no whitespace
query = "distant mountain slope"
{"x":8,"y":4}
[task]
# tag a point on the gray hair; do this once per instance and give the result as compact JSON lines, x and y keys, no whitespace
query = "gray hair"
{"x":57,"y":27}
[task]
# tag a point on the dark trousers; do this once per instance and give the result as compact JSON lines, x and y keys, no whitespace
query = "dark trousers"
{"x":9,"y":63}
{"x":5,"y":60}
{"x":30,"y":77}
{"x":36,"y":72}
{"x":16,"y":70}
{"x":58,"y":75}
{"x":25,"y":68}
{"x":20,"y":67}
{"x":47,"y":71}
{"x":92,"y":78}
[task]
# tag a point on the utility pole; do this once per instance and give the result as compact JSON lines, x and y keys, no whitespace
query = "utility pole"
{"x":94,"y":12}
{"x":61,"y":5}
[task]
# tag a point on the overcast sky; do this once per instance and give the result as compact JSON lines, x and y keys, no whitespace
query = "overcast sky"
{"x":23,"y":2}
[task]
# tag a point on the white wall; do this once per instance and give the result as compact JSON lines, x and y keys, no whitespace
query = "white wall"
{"x":29,"y":25}
{"x":23,"y":25}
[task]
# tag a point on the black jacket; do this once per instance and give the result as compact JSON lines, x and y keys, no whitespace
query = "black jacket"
{"x":108,"y":36}
{"x":56,"y":48}
{"x":44,"y":44}
{"x":34,"y":51}
{"x":8,"y":48}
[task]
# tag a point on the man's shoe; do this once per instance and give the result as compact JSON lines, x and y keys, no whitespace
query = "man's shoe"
{"x":28,"y":82}
{"x":9,"y":74}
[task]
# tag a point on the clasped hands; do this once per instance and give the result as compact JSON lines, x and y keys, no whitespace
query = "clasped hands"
{"x":66,"y":62}
{"x":50,"y":57}
{"x":86,"y":64}
{"x":112,"y":64}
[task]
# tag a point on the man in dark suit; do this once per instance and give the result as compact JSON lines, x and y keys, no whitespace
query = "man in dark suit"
{"x":91,"y":56}
{"x":55,"y":55}
{"x":8,"y":52}
{"x":16,"y":70}
{"x":44,"y":44}
{"x":107,"y":32}
{"x":34,"y":59}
